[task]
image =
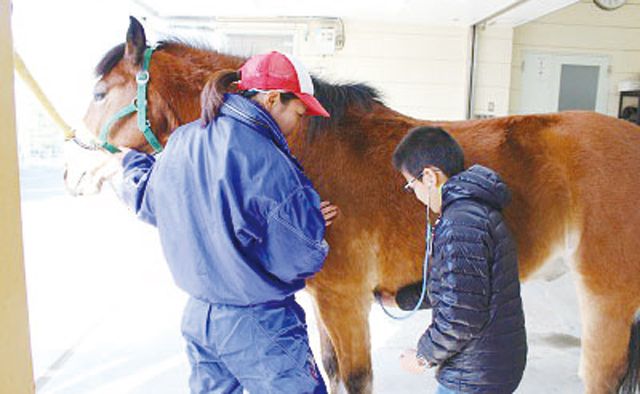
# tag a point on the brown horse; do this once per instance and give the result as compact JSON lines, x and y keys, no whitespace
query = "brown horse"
{"x":574,"y":178}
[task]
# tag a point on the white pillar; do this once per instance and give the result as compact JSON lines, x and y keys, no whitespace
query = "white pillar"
{"x":16,"y":372}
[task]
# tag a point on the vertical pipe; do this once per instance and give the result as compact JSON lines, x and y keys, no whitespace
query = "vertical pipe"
{"x":473,"y":64}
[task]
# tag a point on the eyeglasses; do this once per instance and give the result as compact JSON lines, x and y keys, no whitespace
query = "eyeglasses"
{"x":408,"y":187}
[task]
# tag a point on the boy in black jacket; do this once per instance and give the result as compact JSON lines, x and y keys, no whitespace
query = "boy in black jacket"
{"x":477,"y":336}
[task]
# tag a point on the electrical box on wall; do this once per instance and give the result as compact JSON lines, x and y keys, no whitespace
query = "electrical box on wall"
{"x":324,"y":36}
{"x":324,"y":40}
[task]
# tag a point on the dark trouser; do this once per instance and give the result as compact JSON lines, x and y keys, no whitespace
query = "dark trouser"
{"x":263,"y":349}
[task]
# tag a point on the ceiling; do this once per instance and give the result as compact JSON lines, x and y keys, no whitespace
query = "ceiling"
{"x":437,"y":12}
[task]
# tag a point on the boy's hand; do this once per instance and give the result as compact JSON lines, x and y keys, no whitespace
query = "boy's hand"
{"x":411,"y":363}
{"x":329,"y":212}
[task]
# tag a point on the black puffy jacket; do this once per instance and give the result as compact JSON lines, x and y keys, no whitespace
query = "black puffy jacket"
{"x":477,"y":336}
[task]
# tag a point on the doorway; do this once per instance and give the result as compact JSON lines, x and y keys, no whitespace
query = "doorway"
{"x":560,"y":82}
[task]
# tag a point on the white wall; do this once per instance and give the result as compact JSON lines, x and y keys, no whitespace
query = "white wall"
{"x":493,"y":72}
{"x":420,"y":70}
{"x":583,"y":28}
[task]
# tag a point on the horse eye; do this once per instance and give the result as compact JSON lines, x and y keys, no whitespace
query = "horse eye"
{"x":99,"y":96}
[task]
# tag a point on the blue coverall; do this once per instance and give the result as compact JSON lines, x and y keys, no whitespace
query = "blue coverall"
{"x":241,"y":229}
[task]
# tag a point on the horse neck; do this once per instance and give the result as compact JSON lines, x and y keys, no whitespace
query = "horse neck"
{"x":184,"y":71}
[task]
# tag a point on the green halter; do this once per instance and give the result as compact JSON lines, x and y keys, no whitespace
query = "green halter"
{"x":138,"y":105}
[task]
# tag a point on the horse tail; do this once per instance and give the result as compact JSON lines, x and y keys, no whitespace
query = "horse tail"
{"x":630,"y":383}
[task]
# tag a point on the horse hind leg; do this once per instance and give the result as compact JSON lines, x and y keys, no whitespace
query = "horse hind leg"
{"x":630,"y":383}
{"x":606,"y":335}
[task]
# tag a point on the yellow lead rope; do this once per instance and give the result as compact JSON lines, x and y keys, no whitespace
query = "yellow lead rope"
{"x":26,"y":76}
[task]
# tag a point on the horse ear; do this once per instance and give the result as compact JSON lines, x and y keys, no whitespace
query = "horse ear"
{"x":136,"y":42}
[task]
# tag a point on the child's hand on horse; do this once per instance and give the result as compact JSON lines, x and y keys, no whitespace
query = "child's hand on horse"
{"x":410,"y":362}
{"x":329,"y":212}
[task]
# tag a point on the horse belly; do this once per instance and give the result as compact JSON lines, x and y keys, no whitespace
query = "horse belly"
{"x":561,"y":259}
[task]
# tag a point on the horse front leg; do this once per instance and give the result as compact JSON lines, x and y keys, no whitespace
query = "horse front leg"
{"x":329,"y":357}
{"x":346,"y":319}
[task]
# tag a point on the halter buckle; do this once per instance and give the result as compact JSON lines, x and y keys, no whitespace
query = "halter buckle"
{"x":142,"y":77}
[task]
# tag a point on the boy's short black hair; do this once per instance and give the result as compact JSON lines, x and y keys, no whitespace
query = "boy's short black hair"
{"x":428,"y":147}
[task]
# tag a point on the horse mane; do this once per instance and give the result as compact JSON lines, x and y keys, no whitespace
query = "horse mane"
{"x":115,"y":54}
{"x":337,"y":99}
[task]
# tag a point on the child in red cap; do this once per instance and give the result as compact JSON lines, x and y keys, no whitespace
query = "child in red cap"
{"x":241,"y":227}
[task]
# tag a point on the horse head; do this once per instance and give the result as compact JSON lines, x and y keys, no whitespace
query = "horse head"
{"x":172,"y":76}
{"x":142,"y":94}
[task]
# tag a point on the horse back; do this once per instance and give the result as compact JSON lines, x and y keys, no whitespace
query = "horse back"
{"x":558,"y":166}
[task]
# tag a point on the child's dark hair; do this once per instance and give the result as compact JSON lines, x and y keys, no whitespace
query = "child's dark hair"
{"x":221,"y":82}
{"x":428,"y":147}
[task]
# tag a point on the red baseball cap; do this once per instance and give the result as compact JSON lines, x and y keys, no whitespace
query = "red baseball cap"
{"x":277,"y":71}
